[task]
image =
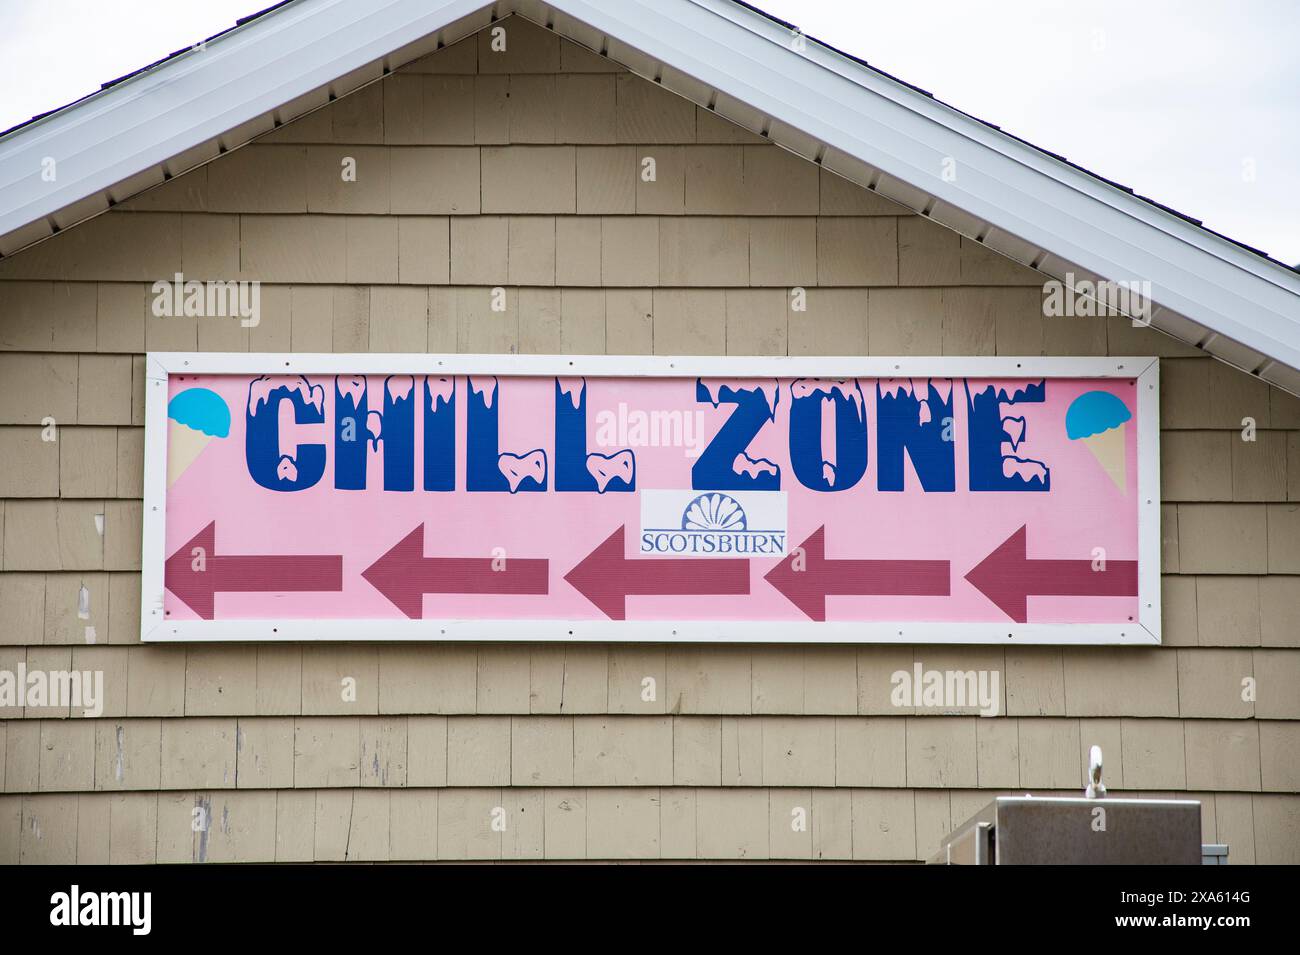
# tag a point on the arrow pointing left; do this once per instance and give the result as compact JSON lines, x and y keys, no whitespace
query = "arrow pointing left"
{"x":196,"y":573}
{"x":607,"y":577}
{"x":808,"y":577}
{"x":1008,"y":577}
{"x":404,"y":575}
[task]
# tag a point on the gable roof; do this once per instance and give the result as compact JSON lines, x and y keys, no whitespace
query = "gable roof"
{"x":865,"y":125}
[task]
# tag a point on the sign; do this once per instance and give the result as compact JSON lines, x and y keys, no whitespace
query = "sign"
{"x":353,"y":497}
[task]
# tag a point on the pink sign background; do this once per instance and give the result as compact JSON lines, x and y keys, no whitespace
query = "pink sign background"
{"x":1085,"y":509}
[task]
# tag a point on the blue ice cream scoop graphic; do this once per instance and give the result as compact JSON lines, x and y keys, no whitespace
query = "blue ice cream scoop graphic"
{"x":195,"y":417}
{"x":1097,"y":418}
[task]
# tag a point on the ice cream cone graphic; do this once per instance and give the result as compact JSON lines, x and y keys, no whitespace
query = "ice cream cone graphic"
{"x":184,"y":444}
{"x":1110,"y":449}
{"x":1097,"y":418}
{"x":196,"y":416}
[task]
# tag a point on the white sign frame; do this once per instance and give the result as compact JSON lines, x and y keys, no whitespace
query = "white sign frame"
{"x":159,"y":365}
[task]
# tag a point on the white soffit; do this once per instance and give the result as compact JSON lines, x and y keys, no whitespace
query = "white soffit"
{"x":209,"y":100}
{"x":857,"y":122}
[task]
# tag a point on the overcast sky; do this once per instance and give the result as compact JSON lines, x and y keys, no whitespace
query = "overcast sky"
{"x":1195,"y":103}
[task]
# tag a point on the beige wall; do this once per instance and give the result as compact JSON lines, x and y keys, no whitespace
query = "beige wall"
{"x":521,"y":169}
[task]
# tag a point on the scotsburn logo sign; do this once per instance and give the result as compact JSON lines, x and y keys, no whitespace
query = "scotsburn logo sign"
{"x":715,"y":524}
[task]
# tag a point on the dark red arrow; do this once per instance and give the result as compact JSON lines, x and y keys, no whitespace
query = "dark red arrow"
{"x":196,"y":586}
{"x":404,"y":575}
{"x":820,"y":578}
{"x":606,"y":577}
{"x":1007,"y":577}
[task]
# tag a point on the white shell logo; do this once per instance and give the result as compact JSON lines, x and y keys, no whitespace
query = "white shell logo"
{"x":713,"y":523}
{"x":714,"y":512}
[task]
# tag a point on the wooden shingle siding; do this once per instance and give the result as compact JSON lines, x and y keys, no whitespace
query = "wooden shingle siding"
{"x":523,"y":170}
{"x":607,"y":822}
{"x":244,"y":680}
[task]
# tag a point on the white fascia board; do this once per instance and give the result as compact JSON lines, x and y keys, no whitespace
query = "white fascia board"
{"x":250,"y":72}
{"x":254,"y":70}
{"x":1006,"y":183}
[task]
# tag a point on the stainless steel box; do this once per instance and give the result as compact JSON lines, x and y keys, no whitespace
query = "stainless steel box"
{"x":1042,"y":830}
